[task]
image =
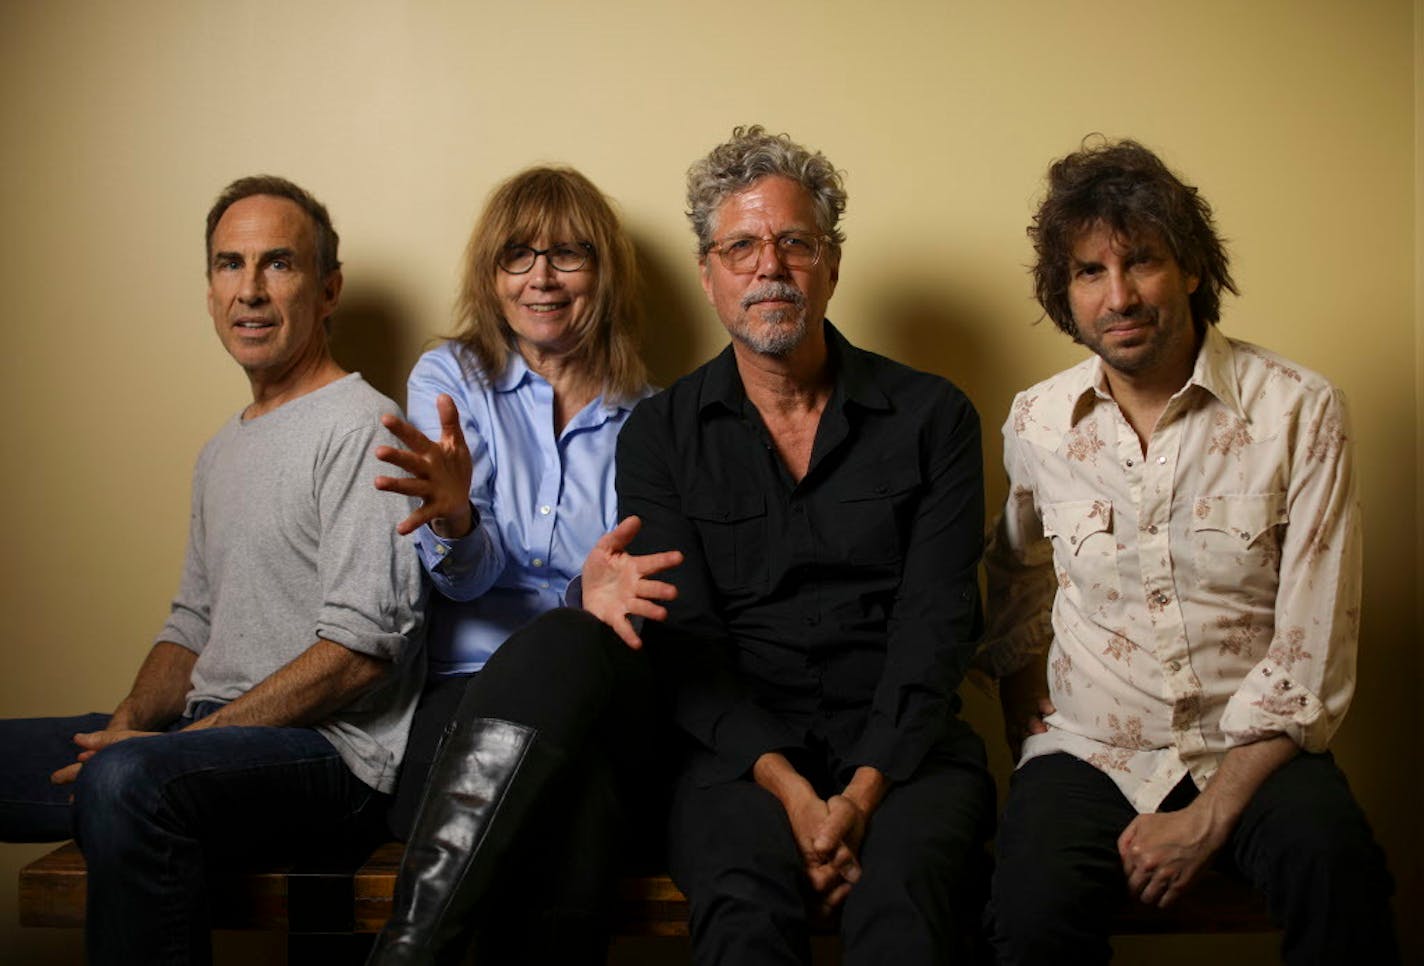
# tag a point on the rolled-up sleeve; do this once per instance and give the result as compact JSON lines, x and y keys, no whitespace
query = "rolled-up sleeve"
{"x":1303,"y":687}
{"x":1019,"y":566}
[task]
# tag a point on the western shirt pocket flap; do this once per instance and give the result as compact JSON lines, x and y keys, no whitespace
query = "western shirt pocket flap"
{"x":1243,"y":515}
{"x":882,"y":486}
{"x":1077,"y":520}
{"x":725,"y":506}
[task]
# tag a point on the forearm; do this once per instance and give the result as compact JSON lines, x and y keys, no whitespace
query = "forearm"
{"x":322,"y":680}
{"x":867,"y":789}
{"x":159,"y":692}
{"x":1239,"y":776}
{"x":774,"y":772}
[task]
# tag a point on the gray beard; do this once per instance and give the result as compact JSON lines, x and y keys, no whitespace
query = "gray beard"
{"x":787,"y":327}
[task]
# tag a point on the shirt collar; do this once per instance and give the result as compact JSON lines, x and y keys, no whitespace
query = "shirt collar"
{"x":517,"y":372}
{"x":854,"y":380}
{"x":1214,"y":371}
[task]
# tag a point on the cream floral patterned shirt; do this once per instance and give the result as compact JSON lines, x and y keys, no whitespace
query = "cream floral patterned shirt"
{"x":1198,"y":597}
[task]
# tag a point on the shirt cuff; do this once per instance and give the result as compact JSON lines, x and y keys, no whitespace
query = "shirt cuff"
{"x":1269,"y":702}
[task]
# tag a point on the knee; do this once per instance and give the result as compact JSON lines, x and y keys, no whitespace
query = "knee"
{"x":564,"y":641}
{"x":114,"y":787}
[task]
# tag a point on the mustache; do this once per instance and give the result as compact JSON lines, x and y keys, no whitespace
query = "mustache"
{"x":1138,"y":313}
{"x":779,"y":291}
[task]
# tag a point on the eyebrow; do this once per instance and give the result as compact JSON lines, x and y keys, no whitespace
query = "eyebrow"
{"x":271,"y":254}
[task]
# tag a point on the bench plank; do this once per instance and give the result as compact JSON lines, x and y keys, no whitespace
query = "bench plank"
{"x":358,"y":900}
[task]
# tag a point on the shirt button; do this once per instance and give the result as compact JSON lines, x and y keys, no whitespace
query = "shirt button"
{"x":1152,"y":528}
{"x":1174,"y":666}
{"x":544,"y":585}
{"x":441,"y":550}
{"x":1129,"y":462}
{"x":1161,"y":598}
{"x":538,"y":561}
{"x":1161,"y":460}
{"x":544,"y":510}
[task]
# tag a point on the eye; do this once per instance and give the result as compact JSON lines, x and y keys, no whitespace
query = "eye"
{"x":280,"y":264}
{"x":570,"y":252}
{"x":738,"y":246}
{"x":795,"y":243}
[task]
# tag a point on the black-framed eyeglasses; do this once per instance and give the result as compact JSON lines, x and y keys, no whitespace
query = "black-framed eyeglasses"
{"x":796,"y":249}
{"x":569,"y":257}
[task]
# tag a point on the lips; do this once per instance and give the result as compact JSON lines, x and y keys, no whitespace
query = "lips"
{"x":545,"y":307}
{"x":254,"y":325}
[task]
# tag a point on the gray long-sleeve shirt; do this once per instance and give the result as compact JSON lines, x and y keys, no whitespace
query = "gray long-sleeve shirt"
{"x":288,"y":542}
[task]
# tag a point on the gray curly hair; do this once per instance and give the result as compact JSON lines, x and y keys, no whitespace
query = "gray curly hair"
{"x":750,"y":155}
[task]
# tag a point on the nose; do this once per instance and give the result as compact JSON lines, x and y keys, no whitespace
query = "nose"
{"x":769,"y":263}
{"x":1122,"y":292}
{"x":254,"y":287}
{"x":543,"y":274}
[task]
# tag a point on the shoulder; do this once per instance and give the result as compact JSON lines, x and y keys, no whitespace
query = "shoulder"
{"x":350,"y":401}
{"x":905,"y":387}
{"x":1269,"y":381}
{"x":676,"y":402}
{"x":1043,"y":412}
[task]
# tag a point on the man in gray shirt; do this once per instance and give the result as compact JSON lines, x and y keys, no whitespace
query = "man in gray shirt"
{"x":271,"y":714}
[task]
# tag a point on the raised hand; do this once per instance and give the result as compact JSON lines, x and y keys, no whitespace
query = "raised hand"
{"x":616,"y":584}
{"x":439,"y":473}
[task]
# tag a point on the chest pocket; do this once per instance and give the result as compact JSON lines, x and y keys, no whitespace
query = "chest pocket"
{"x":869,"y":517}
{"x":733,"y":527}
{"x":1084,"y":547}
{"x":1236,"y":542}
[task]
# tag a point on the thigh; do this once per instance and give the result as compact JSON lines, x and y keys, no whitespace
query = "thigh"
{"x":564,"y":674}
{"x":947,"y":808}
{"x":33,"y":809}
{"x":924,"y":869}
{"x":244,"y":793}
{"x":1058,"y":877}
{"x":732,"y":852}
{"x":1306,"y":844}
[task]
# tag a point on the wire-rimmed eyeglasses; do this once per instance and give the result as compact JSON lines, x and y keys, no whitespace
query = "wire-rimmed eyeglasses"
{"x":796,"y":249}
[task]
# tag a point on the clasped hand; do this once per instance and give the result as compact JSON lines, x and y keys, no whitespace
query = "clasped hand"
{"x":90,"y":743}
{"x":1162,"y":853}
{"x":829,"y":834}
{"x":440,"y":472}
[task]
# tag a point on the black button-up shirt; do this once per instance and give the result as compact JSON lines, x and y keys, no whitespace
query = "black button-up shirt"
{"x":834,"y":616}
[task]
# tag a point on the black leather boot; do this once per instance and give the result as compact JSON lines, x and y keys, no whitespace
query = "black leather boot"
{"x":486,"y":777}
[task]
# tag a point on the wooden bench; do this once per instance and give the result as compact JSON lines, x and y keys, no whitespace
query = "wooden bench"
{"x":316,"y":906}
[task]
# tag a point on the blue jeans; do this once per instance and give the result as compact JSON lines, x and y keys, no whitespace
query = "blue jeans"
{"x":156,"y":816}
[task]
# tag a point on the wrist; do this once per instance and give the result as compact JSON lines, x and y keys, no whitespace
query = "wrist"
{"x":456,"y":526}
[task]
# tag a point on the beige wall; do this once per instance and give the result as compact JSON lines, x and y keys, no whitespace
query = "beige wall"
{"x":1299,"y":121}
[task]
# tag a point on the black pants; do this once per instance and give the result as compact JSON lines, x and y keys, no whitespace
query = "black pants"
{"x":919,"y":900}
{"x":590,"y":696}
{"x":1302,"y":841}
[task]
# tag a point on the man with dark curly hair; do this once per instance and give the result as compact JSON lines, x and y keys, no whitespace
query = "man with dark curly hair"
{"x":829,"y":503}
{"x":1174,"y":596}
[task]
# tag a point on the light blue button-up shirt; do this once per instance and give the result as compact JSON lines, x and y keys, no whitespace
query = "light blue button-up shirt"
{"x":543,"y":502}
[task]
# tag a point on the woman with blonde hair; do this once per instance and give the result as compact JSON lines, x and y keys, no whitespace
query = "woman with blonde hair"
{"x":537,"y":720}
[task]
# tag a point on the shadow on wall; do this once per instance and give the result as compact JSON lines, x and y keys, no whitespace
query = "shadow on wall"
{"x":671,"y":347}
{"x":369,"y":336}
{"x":923,"y":328}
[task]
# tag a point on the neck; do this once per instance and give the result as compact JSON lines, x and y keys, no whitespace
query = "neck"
{"x":270,"y":391}
{"x":798,"y":382}
{"x":573,"y":388}
{"x":1143,"y":397}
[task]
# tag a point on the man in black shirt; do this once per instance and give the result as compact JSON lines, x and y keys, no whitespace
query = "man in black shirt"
{"x":830,"y":506}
